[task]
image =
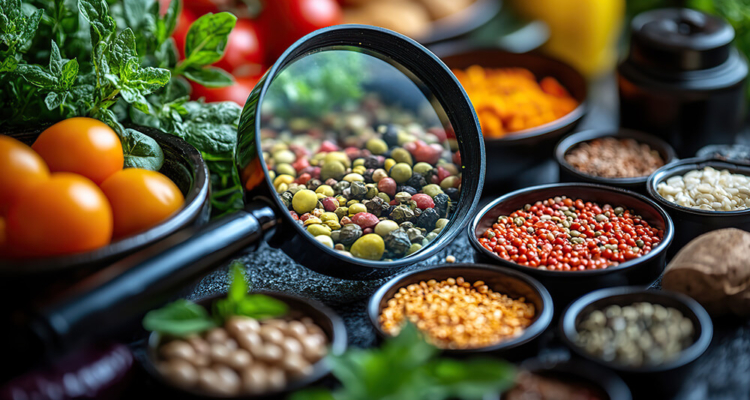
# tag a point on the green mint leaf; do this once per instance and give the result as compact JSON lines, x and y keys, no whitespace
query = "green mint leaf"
{"x":260,"y":306}
{"x":210,"y":77}
{"x":29,"y":28}
{"x":472,"y":379}
{"x":141,"y":151}
{"x":207,"y":38}
{"x":136,"y":11}
{"x":55,"y":60}
{"x":135,"y":98}
{"x":123,"y":50}
{"x":36,"y":76}
{"x":54,"y":100}
{"x":168,"y":24}
{"x":101,"y":61}
{"x":108,"y":117}
{"x":69,"y":73}
{"x":145,"y":80}
{"x":180,"y":318}
{"x":9,"y":64}
{"x":210,"y":137}
{"x":238,"y":287}
{"x":96,"y":12}
{"x":166,"y":54}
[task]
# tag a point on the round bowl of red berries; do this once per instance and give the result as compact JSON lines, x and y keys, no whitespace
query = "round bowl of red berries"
{"x":575,"y":237}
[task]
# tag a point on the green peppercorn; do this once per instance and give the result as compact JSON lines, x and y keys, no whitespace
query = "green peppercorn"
{"x":402,"y":156}
{"x":284,"y":157}
{"x":326,"y":240}
{"x":332,"y":170}
{"x":403,"y":197}
{"x":431,"y":236}
{"x":379,"y":174}
{"x":384,"y":227}
{"x":339,"y":156}
{"x":441,"y":223}
{"x":369,"y":247}
{"x":329,"y":216}
{"x":389,"y":163}
{"x":304,"y":201}
{"x":319,"y":229}
{"x":357,"y":208}
{"x":333,"y":224}
{"x":449,"y":182}
{"x":372,"y":191}
{"x":377,"y":146}
{"x":358,"y":190}
{"x":384,"y":196}
{"x":354,"y":177}
{"x":432,"y":190}
{"x":359,"y":170}
{"x":325,"y":190}
{"x":286,"y":169}
{"x":349,"y":234}
{"x":281,"y":188}
{"x":423,"y":168}
{"x":397,"y":241}
{"x":401,"y":172}
{"x":415,"y":247}
{"x":342,"y":212}
{"x":360,"y":162}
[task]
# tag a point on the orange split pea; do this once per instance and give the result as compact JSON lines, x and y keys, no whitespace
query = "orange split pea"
{"x":509,"y":100}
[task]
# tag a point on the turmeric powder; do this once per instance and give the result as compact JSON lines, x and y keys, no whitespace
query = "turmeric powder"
{"x":509,"y":100}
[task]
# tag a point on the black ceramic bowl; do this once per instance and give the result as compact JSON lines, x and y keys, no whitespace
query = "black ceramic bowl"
{"x":568,"y":173}
{"x":665,"y":377}
{"x":581,"y":372}
{"x":567,"y":285}
{"x":519,"y":151}
{"x":691,"y":222}
{"x":498,"y":279}
{"x":183,"y":164}
{"x":329,"y":321}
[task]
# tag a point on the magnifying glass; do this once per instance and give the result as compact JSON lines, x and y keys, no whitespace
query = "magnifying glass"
{"x":342,"y":110}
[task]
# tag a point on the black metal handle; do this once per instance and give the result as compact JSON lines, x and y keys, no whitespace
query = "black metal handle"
{"x":127,"y":289}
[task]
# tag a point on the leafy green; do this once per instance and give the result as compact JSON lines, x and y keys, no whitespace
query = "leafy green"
{"x":115,"y":60}
{"x":141,"y":151}
{"x":239,"y":302}
{"x":408,"y":368}
{"x":180,"y":318}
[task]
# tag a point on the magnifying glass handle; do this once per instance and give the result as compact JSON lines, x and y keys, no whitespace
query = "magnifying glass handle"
{"x":124,"y":291}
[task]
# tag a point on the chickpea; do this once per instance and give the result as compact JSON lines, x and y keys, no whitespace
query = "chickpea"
{"x":239,"y":359}
{"x":178,"y":349}
{"x":208,"y":381}
{"x":268,"y":352}
{"x":313,"y":348}
{"x":297,"y":329}
{"x":199,"y":344}
{"x":217,"y":335}
{"x":276,"y":378}
{"x":239,"y":325}
{"x":179,"y":372}
{"x":291,"y":346}
{"x":220,"y":353}
{"x":271,"y":334}
{"x":231,"y":344}
{"x":254,"y":379}
{"x":279,"y":324}
{"x":228,"y":379}
{"x":249,"y":340}
{"x":296,"y":365}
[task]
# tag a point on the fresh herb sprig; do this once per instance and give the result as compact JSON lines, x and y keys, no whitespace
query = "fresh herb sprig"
{"x":116,"y":61}
{"x":408,"y":368}
{"x":184,"y":318}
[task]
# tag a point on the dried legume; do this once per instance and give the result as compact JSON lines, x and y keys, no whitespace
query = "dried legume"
{"x":614,"y":158}
{"x":563,"y":234}
{"x":456,"y":314}
{"x":635,"y":335}
{"x":708,"y":189}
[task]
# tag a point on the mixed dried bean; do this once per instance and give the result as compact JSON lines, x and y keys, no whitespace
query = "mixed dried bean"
{"x":708,"y":189}
{"x":455,"y":314}
{"x":570,"y":235}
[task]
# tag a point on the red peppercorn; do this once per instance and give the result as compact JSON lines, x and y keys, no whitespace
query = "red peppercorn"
{"x":387,"y":186}
{"x":531,"y":237}
{"x":330,"y":203}
{"x":424,"y":201}
{"x":365,"y":220}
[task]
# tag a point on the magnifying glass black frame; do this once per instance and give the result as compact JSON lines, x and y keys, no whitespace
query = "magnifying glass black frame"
{"x":401,"y":52}
{"x":121,"y":293}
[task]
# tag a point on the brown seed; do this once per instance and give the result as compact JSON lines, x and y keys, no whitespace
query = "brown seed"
{"x":239,"y":359}
{"x":291,"y":346}
{"x":228,"y":379}
{"x":199,"y":344}
{"x":208,"y":381}
{"x":296,"y":365}
{"x":179,"y":372}
{"x":313,"y":347}
{"x":296,"y":329}
{"x":238,"y":325}
{"x":220,"y":353}
{"x":270,"y":353}
{"x":217,"y":335}
{"x":271,"y":334}
{"x":248,"y":340}
{"x":276,"y":378}
{"x":231,"y":344}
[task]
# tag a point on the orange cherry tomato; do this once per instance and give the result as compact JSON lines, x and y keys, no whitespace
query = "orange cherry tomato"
{"x":140,"y":199}
{"x":21,"y":168}
{"x":66,"y":214}
{"x":84,"y":146}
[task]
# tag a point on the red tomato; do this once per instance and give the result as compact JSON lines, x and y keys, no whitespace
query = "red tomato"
{"x":66,"y":214}
{"x":180,"y":31}
{"x":21,"y":169}
{"x":200,"y":7}
{"x":244,"y":54}
{"x":83,"y":146}
{"x":237,"y":92}
{"x":286,"y":21}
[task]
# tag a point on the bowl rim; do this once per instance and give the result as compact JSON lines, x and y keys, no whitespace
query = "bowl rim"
{"x":607,"y":381}
{"x":539,"y":326}
{"x":407,"y":49}
{"x":654,"y":253}
{"x":567,"y":120}
{"x":567,"y":328}
{"x":195,"y":199}
{"x":321,"y":368}
{"x":571,"y":141}
{"x":683,"y":166}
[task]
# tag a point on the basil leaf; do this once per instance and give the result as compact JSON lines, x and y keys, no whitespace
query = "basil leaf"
{"x":260,"y":306}
{"x":238,"y":302}
{"x":136,"y":10}
{"x":210,"y":137}
{"x":55,"y":60}
{"x":54,"y":100}
{"x":238,"y":287}
{"x":96,"y":12}
{"x":141,"y":151}
{"x":36,"y":75}
{"x":180,"y":318}
{"x":9,"y":64}
{"x":207,"y":38}
{"x":210,"y":77}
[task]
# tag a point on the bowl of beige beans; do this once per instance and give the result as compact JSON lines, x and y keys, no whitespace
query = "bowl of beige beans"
{"x":702,"y":195}
{"x":247,"y":358}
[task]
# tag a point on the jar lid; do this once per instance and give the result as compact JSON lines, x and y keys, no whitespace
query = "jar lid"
{"x":680,"y":39}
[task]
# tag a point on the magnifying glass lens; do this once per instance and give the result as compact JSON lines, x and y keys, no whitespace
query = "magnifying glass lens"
{"x":360,"y":153}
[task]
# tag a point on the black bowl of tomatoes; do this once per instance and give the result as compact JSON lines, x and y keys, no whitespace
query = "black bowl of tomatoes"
{"x":68,"y":204}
